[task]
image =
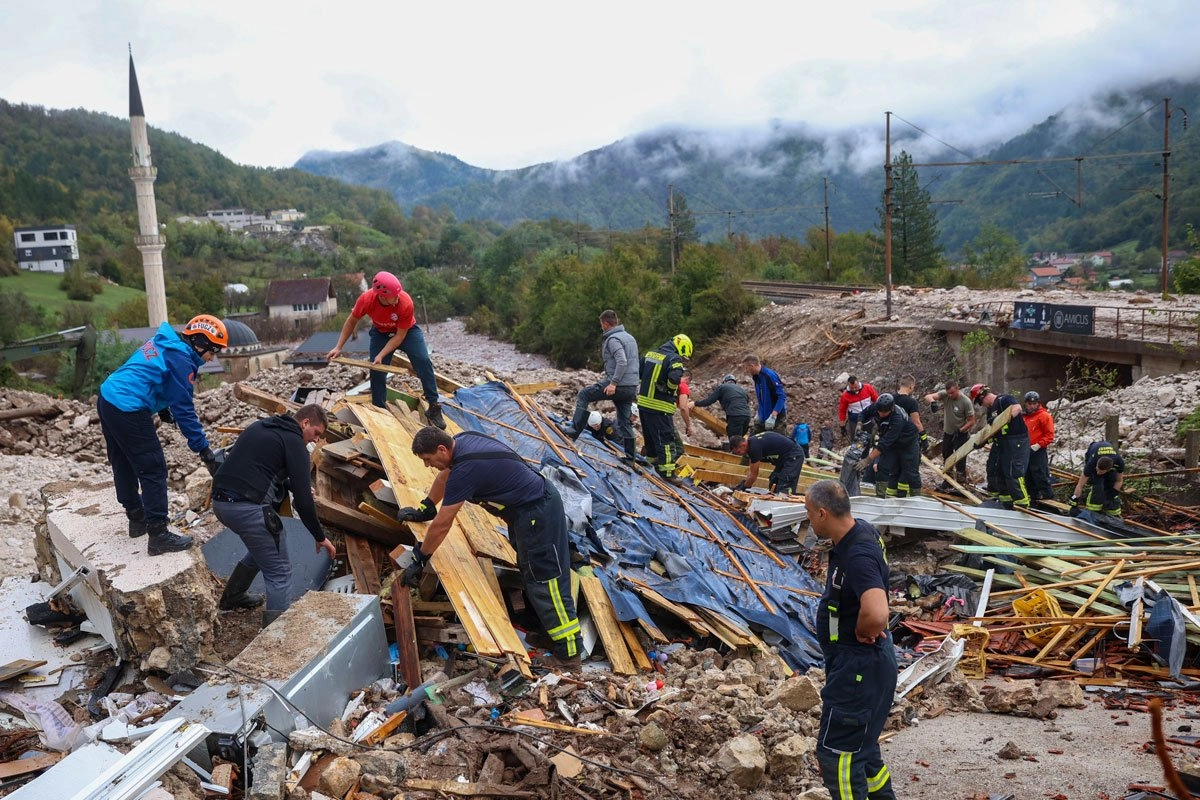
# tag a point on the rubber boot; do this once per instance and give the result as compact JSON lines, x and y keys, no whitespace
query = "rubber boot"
{"x":270,"y":615}
{"x":137,"y":522}
{"x":235,"y":596}
{"x":630,"y":448}
{"x":433,"y":413}
{"x":163,"y":539}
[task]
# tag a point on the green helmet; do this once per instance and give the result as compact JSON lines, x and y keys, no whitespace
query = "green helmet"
{"x":683,"y":345}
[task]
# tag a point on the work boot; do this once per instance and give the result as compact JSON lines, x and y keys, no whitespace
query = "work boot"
{"x":137,"y":522}
{"x":235,"y":596}
{"x":270,"y":615}
{"x":163,"y":539}
{"x":561,"y":663}
{"x":433,"y":414}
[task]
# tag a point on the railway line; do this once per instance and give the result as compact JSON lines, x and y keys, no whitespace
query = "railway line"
{"x":787,"y":290}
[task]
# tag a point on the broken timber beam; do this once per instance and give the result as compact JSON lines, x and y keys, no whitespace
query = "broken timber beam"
{"x":978,"y":438}
{"x":405,"y":368}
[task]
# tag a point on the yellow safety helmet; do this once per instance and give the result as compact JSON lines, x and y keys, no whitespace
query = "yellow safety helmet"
{"x":683,"y":345}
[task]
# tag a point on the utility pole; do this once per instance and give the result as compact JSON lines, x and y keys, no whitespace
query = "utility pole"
{"x":887,"y":209}
{"x":671,"y":220}
{"x":1166,"y":206}
{"x":828,"y":272}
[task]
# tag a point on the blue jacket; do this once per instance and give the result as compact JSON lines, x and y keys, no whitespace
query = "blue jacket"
{"x":768,"y":388}
{"x":160,"y":374}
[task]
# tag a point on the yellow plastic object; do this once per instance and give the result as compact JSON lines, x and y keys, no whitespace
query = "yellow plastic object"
{"x":1038,"y":604}
{"x":683,"y":470}
{"x":973,"y":663}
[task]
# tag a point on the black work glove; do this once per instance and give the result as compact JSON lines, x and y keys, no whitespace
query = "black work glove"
{"x":924,"y":442}
{"x":166,"y":416}
{"x":422,"y":513}
{"x":934,"y":406}
{"x":1075,"y":500}
{"x":843,"y":429}
{"x":212,"y":462}
{"x":741,"y":487}
{"x":412,"y":573}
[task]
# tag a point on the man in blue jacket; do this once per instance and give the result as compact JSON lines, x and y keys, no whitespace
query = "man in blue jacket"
{"x":157,"y":379}
{"x":768,"y":389}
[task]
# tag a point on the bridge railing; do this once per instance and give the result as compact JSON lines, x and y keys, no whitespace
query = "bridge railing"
{"x":1173,"y":325}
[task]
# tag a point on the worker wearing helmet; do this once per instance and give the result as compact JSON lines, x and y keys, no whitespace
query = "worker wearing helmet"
{"x":393,"y":327}
{"x":897,"y":451}
{"x":1009,"y":459}
{"x":157,"y":379}
{"x":658,"y":395}
{"x":602,"y":428}
{"x":1041,"y":436}
{"x":770,"y":394}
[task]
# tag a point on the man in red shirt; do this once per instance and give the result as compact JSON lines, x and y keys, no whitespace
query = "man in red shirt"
{"x":393,"y":327}
{"x":855,"y":397}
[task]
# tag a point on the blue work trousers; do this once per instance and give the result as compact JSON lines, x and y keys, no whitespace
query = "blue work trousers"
{"x":136,"y":456}
{"x":415,"y":348}
{"x":264,"y":550}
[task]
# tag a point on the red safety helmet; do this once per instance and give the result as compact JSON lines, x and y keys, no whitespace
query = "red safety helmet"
{"x":978,"y":391}
{"x":206,"y":332}
{"x":386,"y":283}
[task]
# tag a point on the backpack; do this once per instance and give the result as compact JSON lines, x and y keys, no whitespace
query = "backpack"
{"x":801,"y":433}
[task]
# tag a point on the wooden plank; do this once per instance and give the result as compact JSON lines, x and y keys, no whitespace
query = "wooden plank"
{"x":406,"y":635}
{"x":635,"y":647}
{"x":390,"y":724}
{"x":400,"y":366}
{"x":526,"y":389}
{"x":24,"y":766}
{"x":527,"y":718}
{"x":964,"y":491}
{"x":708,"y":420}
{"x":978,"y":438}
{"x":1050,"y":645}
{"x":363,"y":565}
{"x":489,"y":572}
{"x":264,"y":400}
{"x":685,"y":614}
{"x":607,"y":624}
{"x":383,"y":492}
{"x":360,"y":524}
{"x":18,"y":667}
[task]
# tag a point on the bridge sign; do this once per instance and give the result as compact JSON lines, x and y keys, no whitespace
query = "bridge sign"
{"x":1054,"y":317}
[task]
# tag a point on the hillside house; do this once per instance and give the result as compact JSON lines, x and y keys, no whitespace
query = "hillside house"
{"x":285,"y":215}
{"x":233,"y":219}
{"x":303,"y":299}
{"x":1045,"y":276}
{"x":46,"y":248}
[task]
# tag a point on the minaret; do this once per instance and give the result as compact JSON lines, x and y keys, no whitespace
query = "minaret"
{"x":143,"y":173}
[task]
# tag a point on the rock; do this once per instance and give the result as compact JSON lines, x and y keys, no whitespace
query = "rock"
{"x":815,"y":793}
{"x":787,"y":757}
{"x":376,"y":785}
{"x":1063,"y":694}
{"x":159,"y":658}
{"x":1166,"y":396}
{"x":16,"y":500}
{"x":81,"y":422}
{"x":389,"y":766}
{"x":339,"y":776}
{"x":840,"y":380}
{"x":744,"y":760}
{"x":269,"y":769}
{"x":794,"y":694}
{"x":1017,"y":698}
{"x":313,"y":738}
{"x":652,"y":737}
{"x":1010,"y":752}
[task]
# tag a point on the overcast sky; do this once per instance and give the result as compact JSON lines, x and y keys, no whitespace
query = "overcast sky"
{"x":504,"y":85}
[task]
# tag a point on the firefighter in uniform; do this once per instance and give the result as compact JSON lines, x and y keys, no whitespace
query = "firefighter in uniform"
{"x":860,"y":661}
{"x":1103,"y":474}
{"x":1009,"y":459}
{"x":782,"y":452}
{"x":897,"y":451}
{"x":657,"y":400}
{"x":476,"y":468}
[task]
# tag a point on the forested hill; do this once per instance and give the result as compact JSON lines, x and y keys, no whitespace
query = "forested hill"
{"x":772,"y":182}
{"x":74,"y":165}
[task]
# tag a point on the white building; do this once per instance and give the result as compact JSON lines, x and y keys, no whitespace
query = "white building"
{"x":311,"y":299}
{"x":286,"y":215}
{"x":233,"y":218}
{"x":46,"y":248}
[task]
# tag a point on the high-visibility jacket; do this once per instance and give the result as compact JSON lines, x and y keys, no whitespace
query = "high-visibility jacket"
{"x":662,"y":369}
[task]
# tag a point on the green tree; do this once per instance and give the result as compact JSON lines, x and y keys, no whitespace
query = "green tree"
{"x":995,"y":256}
{"x":685,"y":223}
{"x":1186,"y":275}
{"x":916,"y":246}
{"x":19,"y":318}
{"x":8,"y":259}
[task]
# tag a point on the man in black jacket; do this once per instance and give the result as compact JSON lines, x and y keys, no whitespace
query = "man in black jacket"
{"x":269,"y":459}
{"x":898,"y":449}
{"x":735,"y":402}
{"x":779,"y":451}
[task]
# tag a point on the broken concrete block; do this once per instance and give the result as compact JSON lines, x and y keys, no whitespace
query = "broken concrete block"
{"x":653,"y":738}
{"x":794,"y":694}
{"x":138,"y":603}
{"x":339,"y":776}
{"x":1015,"y":698}
{"x":788,"y":757}
{"x":313,"y":738}
{"x":269,"y":770}
{"x":744,"y":760}
{"x":815,"y":793}
{"x":1061,"y":693}
{"x":389,"y":766}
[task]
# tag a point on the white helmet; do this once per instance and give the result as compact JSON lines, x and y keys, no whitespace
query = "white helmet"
{"x":594,"y":419}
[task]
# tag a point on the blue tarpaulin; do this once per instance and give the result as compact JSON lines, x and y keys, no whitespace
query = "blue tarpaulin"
{"x":632,"y":519}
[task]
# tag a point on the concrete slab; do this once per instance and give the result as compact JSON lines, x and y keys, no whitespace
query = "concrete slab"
{"x":19,"y":639}
{"x":325,"y":647}
{"x":310,"y":569}
{"x":156,"y":610}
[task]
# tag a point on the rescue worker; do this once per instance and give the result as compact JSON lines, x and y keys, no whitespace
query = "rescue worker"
{"x":854,"y":398}
{"x":157,"y":379}
{"x":657,"y":400}
{"x":1009,"y":459}
{"x":897,"y":450}
{"x":906,"y":400}
{"x":1103,"y":475}
{"x":778,"y":450}
{"x":735,"y":402}
{"x":860,"y":660}
{"x":393,"y":327}
{"x":269,"y":459}
{"x":958,"y":418}
{"x":769,"y":393}
{"x":474,"y":467}
{"x":603,"y":429}
{"x":619,"y":352}
{"x":1041,"y":435}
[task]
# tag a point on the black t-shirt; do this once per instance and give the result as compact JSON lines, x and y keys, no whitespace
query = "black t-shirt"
{"x":506,"y":481}
{"x":908,"y":403}
{"x":856,"y":563}
{"x":1016,"y":425}
{"x":772,"y":447}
